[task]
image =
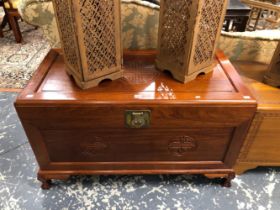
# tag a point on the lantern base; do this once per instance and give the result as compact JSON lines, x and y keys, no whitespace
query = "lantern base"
{"x":186,"y":78}
{"x":272,"y":79}
{"x":95,"y":82}
{"x":194,"y":75}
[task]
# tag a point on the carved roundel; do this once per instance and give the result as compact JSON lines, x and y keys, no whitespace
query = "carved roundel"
{"x":93,"y":148}
{"x":182,"y":145}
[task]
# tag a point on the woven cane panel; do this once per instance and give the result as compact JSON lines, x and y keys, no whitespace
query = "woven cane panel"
{"x":67,"y":33}
{"x":98,"y":25}
{"x":175,"y":27}
{"x":212,"y":11}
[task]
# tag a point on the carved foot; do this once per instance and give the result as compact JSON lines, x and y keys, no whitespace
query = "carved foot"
{"x":46,"y":178}
{"x":227,"y":181}
{"x":46,"y":183}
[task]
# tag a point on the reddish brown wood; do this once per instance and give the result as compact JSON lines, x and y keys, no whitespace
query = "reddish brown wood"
{"x":13,"y":20}
{"x":227,"y":181}
{"x":46,"y":179}
{"x":196,"y":128}
{"x":13,"y":16}
{"x":147,"y":56}
{"x":46,"y":183}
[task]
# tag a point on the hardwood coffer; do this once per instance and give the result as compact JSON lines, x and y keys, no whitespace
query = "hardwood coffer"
{"x":144,"y":123}
{"x":262,"y":145}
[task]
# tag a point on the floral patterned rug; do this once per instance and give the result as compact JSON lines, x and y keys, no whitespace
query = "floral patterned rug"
{"x":19,"y":61}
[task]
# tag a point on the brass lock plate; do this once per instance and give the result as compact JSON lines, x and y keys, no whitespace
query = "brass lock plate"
{"x":137,"y":118}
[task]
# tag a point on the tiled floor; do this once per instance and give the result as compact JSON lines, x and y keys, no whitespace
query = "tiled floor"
{"x":258,"y":189}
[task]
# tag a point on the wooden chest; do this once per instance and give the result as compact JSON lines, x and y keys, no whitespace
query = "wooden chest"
{"x":144,"y":123}
{"x":262,"y":144}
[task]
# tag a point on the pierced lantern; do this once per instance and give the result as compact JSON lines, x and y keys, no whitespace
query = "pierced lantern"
{"x":188,"y":35}
{"x":273,"y":76}
{"x":90,"y":32}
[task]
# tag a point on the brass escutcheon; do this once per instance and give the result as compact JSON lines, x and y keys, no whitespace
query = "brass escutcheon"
{"x":137,"y":118}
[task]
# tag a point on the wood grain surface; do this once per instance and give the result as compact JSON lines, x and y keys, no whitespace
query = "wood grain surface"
{"x":262,"y":145}
{"x":198,"y":127}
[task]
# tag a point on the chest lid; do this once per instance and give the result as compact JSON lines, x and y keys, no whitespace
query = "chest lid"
{"x":142,"y":83}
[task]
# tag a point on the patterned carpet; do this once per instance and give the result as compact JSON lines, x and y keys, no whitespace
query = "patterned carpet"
{"x":19,"y":61}
{"x":257,"y":189}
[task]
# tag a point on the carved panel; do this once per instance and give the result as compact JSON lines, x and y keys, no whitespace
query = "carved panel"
{"x":90,"y":32}
{"x":182,"y":145}
{"x":64,"y":15}
{"x":98,"y":25}
{"x":175,"y":14}
{"x":188,"y":34}
{"x":98,"y":146}
{"x":210,"y":20}
{"x":254,"y":131}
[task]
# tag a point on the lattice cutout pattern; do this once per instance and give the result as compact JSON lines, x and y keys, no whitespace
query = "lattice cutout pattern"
{"x":68,"y":35}
{"x":173,"y":42}
{"x":98,"y":24}
{"x":212,"y":11}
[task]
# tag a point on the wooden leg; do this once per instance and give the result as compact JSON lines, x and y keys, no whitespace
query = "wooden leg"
{"x":46,"y":183}
{"x":227,"y":181}
{"x":46,"y":178}
{"x":226,"y":178}
{"x":15,"y":27}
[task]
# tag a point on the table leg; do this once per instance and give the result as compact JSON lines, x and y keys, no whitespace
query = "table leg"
{"x":15,"y":28}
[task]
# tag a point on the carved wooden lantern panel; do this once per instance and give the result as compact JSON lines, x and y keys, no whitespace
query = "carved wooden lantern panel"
{"x":90,"y":32}
{"x":273,"y":76}
{"x":188,"y":35}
